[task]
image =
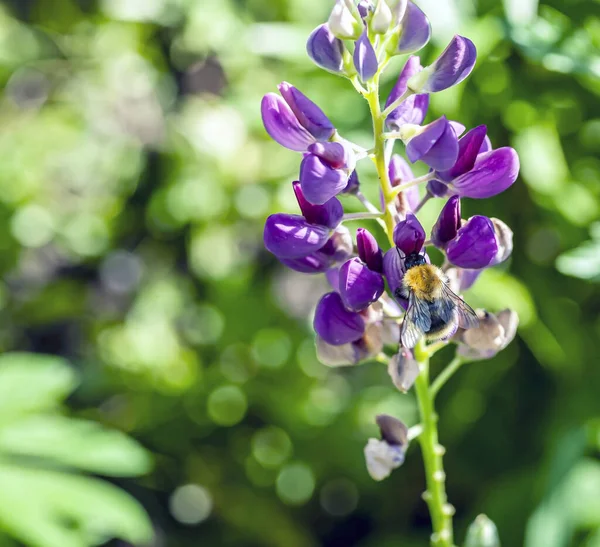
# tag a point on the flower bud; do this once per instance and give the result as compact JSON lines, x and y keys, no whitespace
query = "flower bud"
{"x":454,"y":64}
{"x":343,"y":23}
{"x":414,"y":108}
{"x":448,"y":223}
{"x":368,"y":250}
{"x":435,"y":144}
{"x":291,"y":236}
{"x":382,"y":17}
{"x":504,"y":239}
{"x":475,"y":244}
{"x":409,"y":235}
{"x":352,"y":353}
{"x":364,"y":8}
{"x":339,"y":246}
{"x":469,"y":146}
{"x":403,"y":369}
{"x":312,"y":118}
{"x":334,"y":323}
{"x":326,"y":50}
{"x":482,"y":533}
{"x":385,"y":455}
{"x":329,"y":214}
{"x":359,"y":286}
{"x":415,"y":32}
{"x":493,"y":334}
{"x":365,"y":59}
{"x":398,"y":9}
{"x":492,"y":173}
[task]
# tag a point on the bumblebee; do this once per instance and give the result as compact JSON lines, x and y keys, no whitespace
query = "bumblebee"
{"x":434,"y":311}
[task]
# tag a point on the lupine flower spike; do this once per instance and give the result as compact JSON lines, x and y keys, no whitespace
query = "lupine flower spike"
{"x":388,"y":302}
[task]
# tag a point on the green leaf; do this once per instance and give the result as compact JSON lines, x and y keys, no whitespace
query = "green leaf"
{"x":52,"y":509}
{"x":30,"y":382}
{"x":582,"y":262}
{"x":77,"y":443}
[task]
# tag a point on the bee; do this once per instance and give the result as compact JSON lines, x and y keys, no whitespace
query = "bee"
{"x":434,"y":311}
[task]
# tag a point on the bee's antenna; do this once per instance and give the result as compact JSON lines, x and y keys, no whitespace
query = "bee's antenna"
{"x":401,"y":257}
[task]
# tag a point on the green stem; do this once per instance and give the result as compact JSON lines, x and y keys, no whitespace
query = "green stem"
{"x":435,"y":495}
{"x":361,"y":216}
{"x":445,"y":375}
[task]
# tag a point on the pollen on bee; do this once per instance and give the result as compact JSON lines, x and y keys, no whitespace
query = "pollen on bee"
{"x":425,"y":281}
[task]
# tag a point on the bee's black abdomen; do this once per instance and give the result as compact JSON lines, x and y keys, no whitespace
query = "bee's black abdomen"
{"x":442,"y":319}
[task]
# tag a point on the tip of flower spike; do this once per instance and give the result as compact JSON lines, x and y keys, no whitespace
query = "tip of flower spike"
{"x":326,"y":50}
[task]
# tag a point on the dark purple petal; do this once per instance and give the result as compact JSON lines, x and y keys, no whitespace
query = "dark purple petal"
{"x":291,"y":236}
{"x":359,"y":286}
{"x":425,"y":139}
{"x":310,"y":116}
{"x":415,"y":30}
{"x":437,"y":188}
{"x":414,"y":108}
{"x":393,"y":270}
{"x":353,"y":184}
{"x":454,"y":64}
{"x":333,"y":278}
{"x":492,"y":173}
{"x":409,"y":235}
{"x":329,"y":214}
{"x":320,"y":182}
{"x":282,"y":125}
{"x":365,"y":59}
{"x":468,"y":149}
{"x":325,"y":49}
{"x":334,"y":154}
{"x":475,"y":244}
{"x":448,"y":223}
{"x":368,"y":250}
{"x":334,"y":323}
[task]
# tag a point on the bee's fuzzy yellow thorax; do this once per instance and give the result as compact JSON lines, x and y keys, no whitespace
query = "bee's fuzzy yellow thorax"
{"x":425,"y":281}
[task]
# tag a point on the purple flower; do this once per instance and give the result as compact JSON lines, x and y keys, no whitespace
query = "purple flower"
{"x":359,"y":286}
{"x":400,"y":172}
{"x":435,"y":144}
{"x":294,"y":121}
{"x":385,"y":455}
{"x":326,"y":50}
{"x":353,"y":185}
{"x":291,"y":236}
{"x":365,"y":59}
{"x":329,"y":214}
{"x":448,"y":223}
{"x":409,"y":235}
{"x":324,"y":171}
{"x":475,"y":245}
{"x":415,"y":31}
{"x":368,"y":250}
{"x":334,"y":323}
{"x":454,"y":64}
{"x":393,"y":270}
{"x":469,"y":146}
{"x":492,"y":173}
{"x":414,"y":108}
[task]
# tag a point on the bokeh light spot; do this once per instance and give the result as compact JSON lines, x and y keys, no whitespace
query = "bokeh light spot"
{"x":271,"y":347}
{"x":33,"y":226}
{"x":295,"y":484}
{"x":227,"y":405}
{"x":191,"y":504}
{"x":271,"y":446}
{"x":339,"y":497}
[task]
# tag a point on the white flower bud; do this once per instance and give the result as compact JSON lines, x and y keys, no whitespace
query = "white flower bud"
{"x":382,"y":458}
{"x":382,"y":17}
{"x":343,"y":23}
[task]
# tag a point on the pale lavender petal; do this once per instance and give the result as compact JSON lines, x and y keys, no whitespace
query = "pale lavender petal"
{"x":325,"y":49}
{"x":365,"y":59}
{"x":415,"y":30}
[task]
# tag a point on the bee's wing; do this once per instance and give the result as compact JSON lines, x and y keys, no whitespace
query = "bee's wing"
{"x":416,"y":323}
{"x":467,"y":318}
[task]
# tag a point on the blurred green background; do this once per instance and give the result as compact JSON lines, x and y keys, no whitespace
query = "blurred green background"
{"x":135,"y":177}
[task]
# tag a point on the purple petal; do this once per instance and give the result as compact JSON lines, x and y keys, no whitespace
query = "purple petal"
{"x":365,"y":59}
{"x":320,"y":182}
{"x":291,"y":236}
{"x":359,"y":286}
{"x":415,"y":31}
{"x":333,"y":278}
{"x":424,"y":141}
{"x":454,"y":64}
{"x":458,"y":127}
{"x":448,"y":223}
{"x":437,"y":188}
{"x":475,"y":244}
{"x":312,"y":264}
{"x":468,"y":149}
{"x":329,"y":214}
{"x":368,"y":250}
{"x":414,"y":108}
{"x":400,"y":172}
{"x":339,"y":246}
{"x":492,"y":173}
{"x":393,"y":270}
{"x":334,"y":323}
{"x":364,"y":7}
{"x":353,"y":184}
{"x":409,"y":235}
{"x":282,"y":125}
{"x":411,"y":67}
{"x":325,"y":49}
{"x":467,"y":278}
{"x":436,"y":145}
{"x":486,"y":145}
{"x":310,"y":116}
{"x":334,"y":154}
